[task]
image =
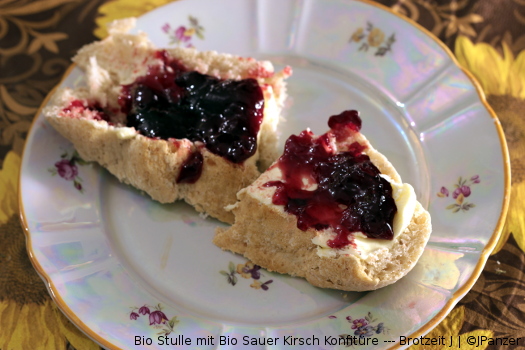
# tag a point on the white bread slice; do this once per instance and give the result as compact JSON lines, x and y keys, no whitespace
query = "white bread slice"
{"x":268,"y":236}
{"x":152,"y":165}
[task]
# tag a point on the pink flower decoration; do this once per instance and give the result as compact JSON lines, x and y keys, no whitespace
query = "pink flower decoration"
{"x":166,"y":28}
{"x":157,"y":317}
{"x":465,"y":190}
{"x":144,"y":310}
{"x":66,"y":170}
{"x":359,"y":323}
{"x":133,"y":316}
{"x":475,"y":179}
{"x":444,"y":191}
{"x":179,"y":34}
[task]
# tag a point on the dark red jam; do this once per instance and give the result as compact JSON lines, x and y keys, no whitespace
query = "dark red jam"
{"x":171,"y":102}
{"x":191,"y":169}
{"x":350,"y":195}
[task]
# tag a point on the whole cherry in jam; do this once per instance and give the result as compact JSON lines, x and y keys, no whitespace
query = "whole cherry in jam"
{"x":350,"y":195}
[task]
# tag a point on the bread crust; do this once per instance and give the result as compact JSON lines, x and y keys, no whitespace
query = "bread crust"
{"x":269,"y":237}
{"x":153,"y":165}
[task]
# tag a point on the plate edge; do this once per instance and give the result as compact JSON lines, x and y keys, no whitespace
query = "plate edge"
{"x":491,"y":244}
{"x":460,"y":293}
{"x":55,"y":296}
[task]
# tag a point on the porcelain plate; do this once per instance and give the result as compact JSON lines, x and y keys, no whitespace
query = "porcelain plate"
{"x":128,"y":270}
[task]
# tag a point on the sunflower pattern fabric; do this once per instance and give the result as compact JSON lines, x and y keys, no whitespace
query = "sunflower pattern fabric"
{"x":37,"y":40}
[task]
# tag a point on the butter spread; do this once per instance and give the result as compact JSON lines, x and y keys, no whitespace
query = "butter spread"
{"x":405,"y":198}
{"x":402,"y":193}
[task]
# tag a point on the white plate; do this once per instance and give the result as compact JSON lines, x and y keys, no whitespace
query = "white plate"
{"x":118,"y":263}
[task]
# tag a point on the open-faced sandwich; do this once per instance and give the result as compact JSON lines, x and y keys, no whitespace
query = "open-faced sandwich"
{"x":175,"y":123}
{"x":331,"y":209}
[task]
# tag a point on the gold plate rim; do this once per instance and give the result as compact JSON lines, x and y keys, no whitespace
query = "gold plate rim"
{"x":460,"y":293}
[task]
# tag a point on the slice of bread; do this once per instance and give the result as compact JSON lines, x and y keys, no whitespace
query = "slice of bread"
{"x":268,"y":235}
{"x":91,"y":117}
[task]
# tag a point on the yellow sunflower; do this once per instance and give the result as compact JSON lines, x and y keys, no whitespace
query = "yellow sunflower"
{"x":9,"y":186}
{"x":498,"y":75}
{"x":25,"y":307}
{"x":449,"y":328}
{"x":515,"y":223}
{"x":43,"y":322}
{"x":113,"y":10}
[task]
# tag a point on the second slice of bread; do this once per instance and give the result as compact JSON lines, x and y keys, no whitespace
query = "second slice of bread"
{"x":268,"y":236}
{"x":153,"y":165}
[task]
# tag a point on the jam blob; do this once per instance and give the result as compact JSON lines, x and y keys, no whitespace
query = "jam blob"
{"x":191,"y":169}
{"x":172,"y":102}
{"x":346,"y":192}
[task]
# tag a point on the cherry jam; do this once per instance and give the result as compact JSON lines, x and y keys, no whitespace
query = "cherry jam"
{"x":191,"y":169}
{"x":172,"y":102}
{"x":350,"y":195}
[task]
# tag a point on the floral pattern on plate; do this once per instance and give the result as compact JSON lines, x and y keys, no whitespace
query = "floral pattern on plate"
{"x":182,"y":35}
{"x":363,"y":327}
{"x":156,"y":318}
{"x":247,"y":271}
{"x":67,"y":168}
{"x":462,"y":190}
{"x":373,"y":37}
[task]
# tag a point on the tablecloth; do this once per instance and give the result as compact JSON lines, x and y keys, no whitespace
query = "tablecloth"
{"x":37,"y":40}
